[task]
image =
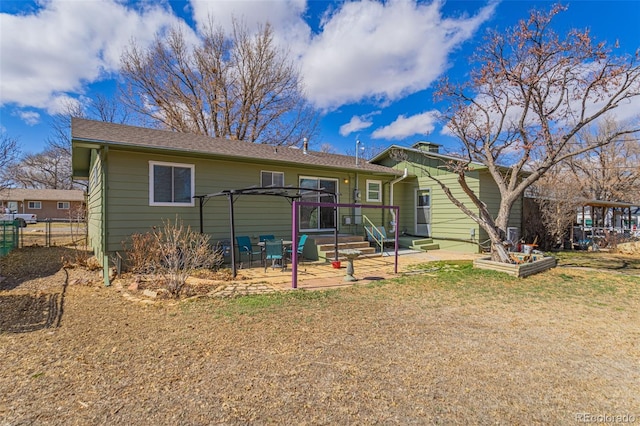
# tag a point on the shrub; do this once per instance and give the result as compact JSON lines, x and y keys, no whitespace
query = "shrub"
{"x":182,"y":251}
{"x":143,"y":255}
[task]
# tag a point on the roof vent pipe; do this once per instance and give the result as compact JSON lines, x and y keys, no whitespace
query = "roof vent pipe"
{"x":305,"y":145}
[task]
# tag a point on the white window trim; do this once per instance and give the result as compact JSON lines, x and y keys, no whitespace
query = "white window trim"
{"x":34,"y":208}
{"x":273,"y":173}
{"x":193,"y":183}
{"x":67,"y":203}
{"x":374,"y":200}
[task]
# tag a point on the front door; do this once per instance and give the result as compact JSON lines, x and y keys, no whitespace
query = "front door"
{"x":423,"y":212}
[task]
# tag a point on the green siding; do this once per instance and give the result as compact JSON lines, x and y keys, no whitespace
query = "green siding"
{"x":490,"y":194}
{"x":129,"y":212}
{"x":447,"y":220}
{"x":95,"y":219}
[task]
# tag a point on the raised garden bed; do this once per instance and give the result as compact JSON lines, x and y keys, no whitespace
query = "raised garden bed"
{"x":537,"y":263}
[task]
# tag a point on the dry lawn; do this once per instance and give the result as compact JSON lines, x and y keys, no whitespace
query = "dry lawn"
{"x":450,"y":345}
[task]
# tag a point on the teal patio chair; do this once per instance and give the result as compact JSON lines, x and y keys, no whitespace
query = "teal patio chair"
{"x":264,"y":238}
{"x":245,"y":246}
{"x":300,"y":248}
{"x":273,"y":251}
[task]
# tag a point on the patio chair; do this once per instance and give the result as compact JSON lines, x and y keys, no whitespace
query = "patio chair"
{"x":273,"y":251}
{"x":300,"y":248}
{"x":264,"y":238}
{"x":245,"y":246}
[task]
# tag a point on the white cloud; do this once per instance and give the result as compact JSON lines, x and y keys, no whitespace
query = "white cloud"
{"x":64,"y":45}
{"x":30,"y":117}
{"x":357,"y":123}
{"x":285,"y":16}
{"x":373,"y":50}
{"x":403,"y":127}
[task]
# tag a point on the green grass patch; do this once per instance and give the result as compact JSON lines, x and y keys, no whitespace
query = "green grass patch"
{"x":441,"y":283}
{"x":263,"y":303}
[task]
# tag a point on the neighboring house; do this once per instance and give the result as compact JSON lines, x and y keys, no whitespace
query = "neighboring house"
{"x":140,"y":177}
{"x":426,"y":210}
{"x":47,"y":204}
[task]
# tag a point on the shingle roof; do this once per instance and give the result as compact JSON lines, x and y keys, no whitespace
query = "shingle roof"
{"x":130,"y":136}
{"x":21,"y":194}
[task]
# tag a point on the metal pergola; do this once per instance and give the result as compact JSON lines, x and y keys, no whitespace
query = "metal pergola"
{"x":291,"y":193}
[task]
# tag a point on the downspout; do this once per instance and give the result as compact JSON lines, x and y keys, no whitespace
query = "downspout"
{"x":393,"y":212}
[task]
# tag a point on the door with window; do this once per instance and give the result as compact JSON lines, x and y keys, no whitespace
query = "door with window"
{"x":313,"y":218}
{"x":423,"y":212}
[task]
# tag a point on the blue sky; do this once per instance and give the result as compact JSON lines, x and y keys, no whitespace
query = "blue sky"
{"x":369,"y":67}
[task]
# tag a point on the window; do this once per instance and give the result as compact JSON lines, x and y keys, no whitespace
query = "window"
{"x":271,"y":178}
{"x":374,"y":190}
{"x":34,"y":205}
{"x":314,"y":218}
{"x":171,"y":184}
{"x":63,"y":205}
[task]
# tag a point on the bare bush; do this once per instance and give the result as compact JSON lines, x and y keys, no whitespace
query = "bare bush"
{"x":143,"y":253}
{"x":173,"y":251}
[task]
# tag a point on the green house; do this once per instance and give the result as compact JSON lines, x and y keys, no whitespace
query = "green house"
{"x":426,"y":210}
{"x":139,"y":177}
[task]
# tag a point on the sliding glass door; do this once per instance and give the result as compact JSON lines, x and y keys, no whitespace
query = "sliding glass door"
{"x":317,"y":218}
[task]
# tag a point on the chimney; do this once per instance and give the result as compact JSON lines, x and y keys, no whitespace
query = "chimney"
{"x":305,"y":145}
{"x":427,"y":146}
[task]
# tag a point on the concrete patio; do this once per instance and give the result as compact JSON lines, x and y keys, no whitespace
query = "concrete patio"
{"x":322,"y":275}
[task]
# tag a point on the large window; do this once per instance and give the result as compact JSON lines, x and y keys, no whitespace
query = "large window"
{"x":374,"y":191}
{"x":171,"y":184}
{"x":317,"y":218}
{"x":271,"y":178}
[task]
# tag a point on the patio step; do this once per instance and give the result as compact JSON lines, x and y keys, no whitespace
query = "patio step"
{"x":326,"y":251}
{"x":355,"y":245}
{"x":424,"y":244}
{"x":325,"y":245}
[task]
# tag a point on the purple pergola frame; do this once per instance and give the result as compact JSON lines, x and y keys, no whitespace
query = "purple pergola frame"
{"x":294,"y":230}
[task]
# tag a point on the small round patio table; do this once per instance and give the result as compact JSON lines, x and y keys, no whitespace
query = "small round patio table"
{"x":350,"y":254}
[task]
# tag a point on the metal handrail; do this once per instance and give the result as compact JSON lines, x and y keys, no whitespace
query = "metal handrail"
{"x":379,"y":242}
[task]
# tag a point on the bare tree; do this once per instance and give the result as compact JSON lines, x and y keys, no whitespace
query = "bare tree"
{"x":50,"y":169}
{"x":527,"y":99}
{"x":558,"y":195}
{"x":610,"y":172}
{"x":240,"y":88}
{"x":9,"y":153}
{"x":100,"y":108}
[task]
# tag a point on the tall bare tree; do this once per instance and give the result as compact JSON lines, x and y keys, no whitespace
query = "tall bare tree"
{"x":102,"y":108}
{"x":239,"y":87}
{"x":50,"y":169}
{"x":558,"y":196}
{"x":9,"y":153}
{"x":529,"y":95}
{"x":609,"y":173}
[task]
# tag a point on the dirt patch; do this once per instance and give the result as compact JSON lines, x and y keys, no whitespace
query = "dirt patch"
{"x":453,"y":346}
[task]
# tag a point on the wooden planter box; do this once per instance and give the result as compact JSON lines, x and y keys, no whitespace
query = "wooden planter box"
{"x":540,"y":263}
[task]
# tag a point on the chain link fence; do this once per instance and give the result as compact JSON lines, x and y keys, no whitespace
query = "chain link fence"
{"x":50,"y":233}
